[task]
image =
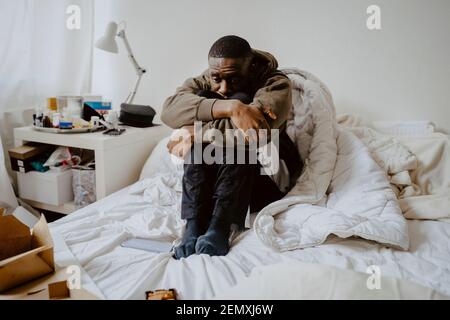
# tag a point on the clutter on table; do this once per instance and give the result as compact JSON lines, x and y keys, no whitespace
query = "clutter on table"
{"x":72,"y":112}
{"x":65,"y":114}
{"x":112,"y":124}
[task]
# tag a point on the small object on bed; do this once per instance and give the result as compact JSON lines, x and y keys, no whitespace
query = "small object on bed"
{"x":170,"y":294}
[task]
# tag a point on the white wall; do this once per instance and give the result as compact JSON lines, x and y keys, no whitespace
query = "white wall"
{"x":401,"y":72}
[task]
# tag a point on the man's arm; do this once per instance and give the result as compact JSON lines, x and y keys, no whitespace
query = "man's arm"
{"x":185,"y":106}
{"x":273,"y":100}
{"x":275,"y":96}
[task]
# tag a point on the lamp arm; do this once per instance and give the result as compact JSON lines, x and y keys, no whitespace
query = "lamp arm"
{"x":132,"y":94}
{"x":139,"y":70}
{"x":123,"y":36}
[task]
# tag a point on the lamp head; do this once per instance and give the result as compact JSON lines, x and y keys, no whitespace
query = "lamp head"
{"x":108,"y":41}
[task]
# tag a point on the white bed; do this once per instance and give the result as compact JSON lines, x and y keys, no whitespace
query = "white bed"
{"x":359,"y":223}
{"x":120,"y":273}
{"x":91,"y":238}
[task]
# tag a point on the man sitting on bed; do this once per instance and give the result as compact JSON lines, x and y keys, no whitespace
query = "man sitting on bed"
{"x":242,"y":89}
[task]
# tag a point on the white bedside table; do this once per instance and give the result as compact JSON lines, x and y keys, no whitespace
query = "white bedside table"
{"x":118,"y":159}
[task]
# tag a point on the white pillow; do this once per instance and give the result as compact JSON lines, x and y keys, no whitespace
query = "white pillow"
{"x":160,"y":161}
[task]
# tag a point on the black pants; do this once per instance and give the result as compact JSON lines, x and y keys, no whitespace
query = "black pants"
{"x":227,"y":190}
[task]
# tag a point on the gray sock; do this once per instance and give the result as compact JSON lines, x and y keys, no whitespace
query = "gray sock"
{"x":215,"y":241}
{"x":187,"y":246}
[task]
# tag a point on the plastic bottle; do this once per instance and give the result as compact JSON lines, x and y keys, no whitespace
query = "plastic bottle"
{"x":55,"y":120}
{"x":39,"y":117}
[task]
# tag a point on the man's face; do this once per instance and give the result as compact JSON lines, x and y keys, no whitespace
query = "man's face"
{"x":229,"y":75}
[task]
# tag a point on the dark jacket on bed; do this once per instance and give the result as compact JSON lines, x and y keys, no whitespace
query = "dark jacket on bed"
{"x":269,"y":87}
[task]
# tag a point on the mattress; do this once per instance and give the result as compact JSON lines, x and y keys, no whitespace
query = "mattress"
{"x":91,"y":238}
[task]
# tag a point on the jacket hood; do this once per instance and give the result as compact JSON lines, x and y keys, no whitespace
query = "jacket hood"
{"x":265,"y":60}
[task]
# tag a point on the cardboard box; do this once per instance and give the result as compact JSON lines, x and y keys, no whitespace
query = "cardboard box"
{"x":28,"y":151}
{"x":99,"y":105}
{"x":22,"y":157}
{"x":31,"y":264}
{"x":15,"y":237}
{"x":49,"y":287}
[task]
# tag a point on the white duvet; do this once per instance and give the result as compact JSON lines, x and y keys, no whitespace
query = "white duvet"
{"x":343,"y":192}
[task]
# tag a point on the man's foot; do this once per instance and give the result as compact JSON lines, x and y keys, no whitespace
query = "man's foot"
{"x":215,"y":241}
{"x":187,"y":246}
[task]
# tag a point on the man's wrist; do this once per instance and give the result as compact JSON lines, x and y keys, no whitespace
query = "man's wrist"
{"x":234,"y":106}
{"x":225,"y":108}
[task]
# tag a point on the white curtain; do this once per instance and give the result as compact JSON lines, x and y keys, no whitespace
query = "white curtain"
{"x":41,"y":57}
{"x":7,"y":198}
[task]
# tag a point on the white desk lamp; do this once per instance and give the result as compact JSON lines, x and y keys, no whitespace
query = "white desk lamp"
{"x":108,"y":43}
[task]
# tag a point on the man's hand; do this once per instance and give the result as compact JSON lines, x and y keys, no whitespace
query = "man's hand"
{"x":247,"y":117}
{"x":180,"y":142}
